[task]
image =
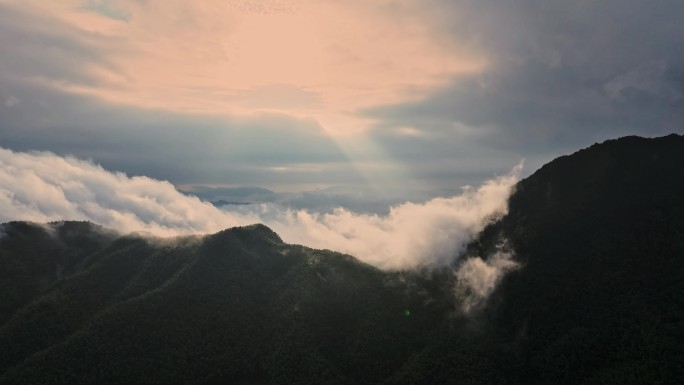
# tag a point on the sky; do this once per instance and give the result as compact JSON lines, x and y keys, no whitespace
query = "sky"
{"x":402,"y":99}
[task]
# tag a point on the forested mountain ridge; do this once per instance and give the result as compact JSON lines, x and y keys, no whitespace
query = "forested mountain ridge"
{"x":598,"y":236}
{"x":238,"y":305}
{"x":33,"y":256}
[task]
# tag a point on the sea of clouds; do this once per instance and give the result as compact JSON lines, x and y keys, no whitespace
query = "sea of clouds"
{"x":42,"y":187}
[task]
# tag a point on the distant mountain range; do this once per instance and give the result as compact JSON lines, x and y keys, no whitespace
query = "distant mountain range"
{"x":223,"y":196}
{"x":597,"y":298}
{"x":222,"y":202}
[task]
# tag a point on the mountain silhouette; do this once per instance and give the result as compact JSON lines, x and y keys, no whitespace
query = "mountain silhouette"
{"x":600,"y":235}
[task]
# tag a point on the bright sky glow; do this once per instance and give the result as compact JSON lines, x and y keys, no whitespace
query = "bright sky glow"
{"x":310,"y":59}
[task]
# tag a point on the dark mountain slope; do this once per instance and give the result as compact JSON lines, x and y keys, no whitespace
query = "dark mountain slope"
{"x":34,"y":256}
{"x":239,"y":305}
{"x":600,"y":234}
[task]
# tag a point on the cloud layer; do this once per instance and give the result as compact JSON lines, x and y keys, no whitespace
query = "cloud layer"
{"x":42,"y":186}
{"x":322,"y":58}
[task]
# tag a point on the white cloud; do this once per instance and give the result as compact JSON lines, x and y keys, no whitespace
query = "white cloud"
{"x":478,"y":277}
{"x":412,"y":234}
{"x":45,"y":187}
{"x":42,"y":186}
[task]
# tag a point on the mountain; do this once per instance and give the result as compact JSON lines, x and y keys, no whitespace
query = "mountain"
{"x":600,"y":235}
{"x":231,"y":195}
{"x":222,"y":202}
{"x":596,"y":298}
{"x":33,"y":256}
{"x":236,"y":306}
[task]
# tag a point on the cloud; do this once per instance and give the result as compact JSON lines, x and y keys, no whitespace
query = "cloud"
{"x":275,"y":151}
{"x":217,"y":56}
{"x":412,"y":234}
{"x":41,"y":49}
{"x":42,"y":186}
{"x":318,"y":93}
{"x":182,"y":148}
{"x":478,"y":277}
{"x":560,"y":76}
{"x":45,"y":187}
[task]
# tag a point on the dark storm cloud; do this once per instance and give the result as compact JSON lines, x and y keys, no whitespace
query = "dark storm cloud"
{"x":561,"y":75}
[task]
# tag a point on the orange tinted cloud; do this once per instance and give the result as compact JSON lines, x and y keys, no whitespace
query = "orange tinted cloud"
{"x":319,"y":59}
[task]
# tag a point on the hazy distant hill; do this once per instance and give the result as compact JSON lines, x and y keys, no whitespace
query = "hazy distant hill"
{"x":598,"y":298}
{"x":220,"y":196}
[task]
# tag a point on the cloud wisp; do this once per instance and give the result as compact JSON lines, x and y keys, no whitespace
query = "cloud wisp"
{"x":478,"y":277}
{"x":41,"y":186}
